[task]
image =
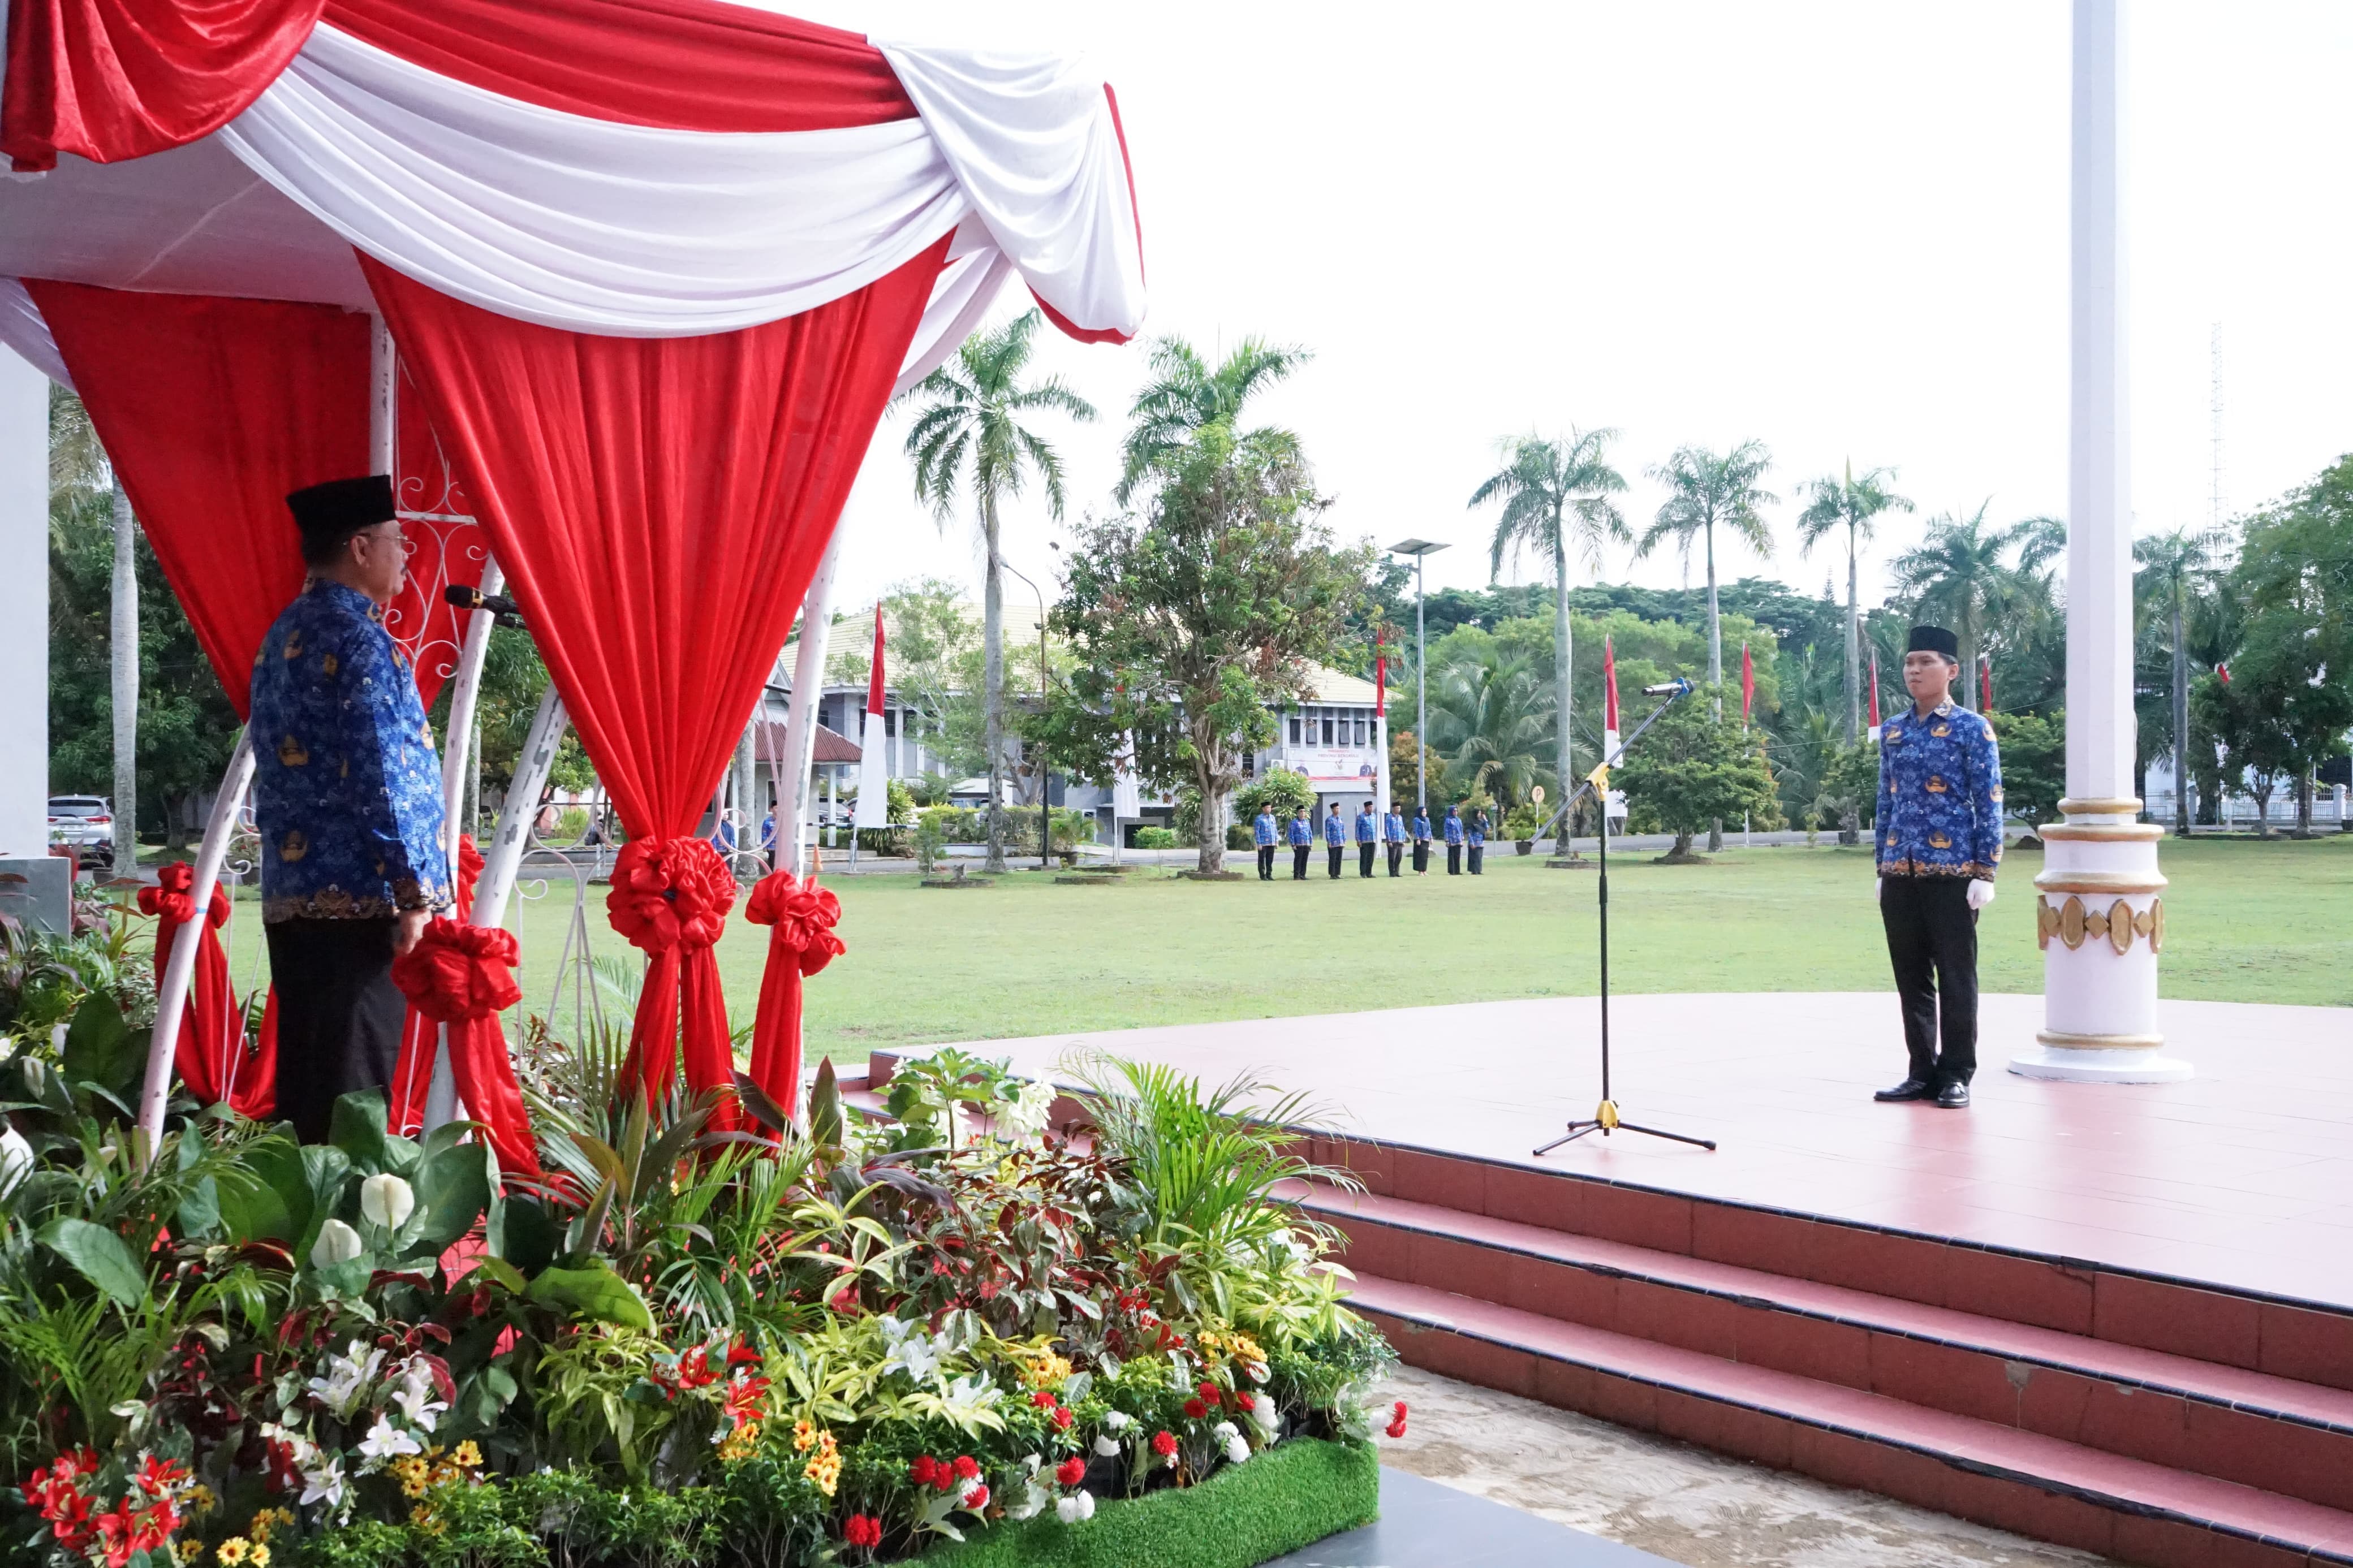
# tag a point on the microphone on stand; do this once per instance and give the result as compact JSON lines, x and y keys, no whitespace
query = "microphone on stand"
{"x":1676,"y":687}
{"x":472,"y":598}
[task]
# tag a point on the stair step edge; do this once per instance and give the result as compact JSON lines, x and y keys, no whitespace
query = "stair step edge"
{"x":2050,"y":1464}
{"x":2265,"y":1394}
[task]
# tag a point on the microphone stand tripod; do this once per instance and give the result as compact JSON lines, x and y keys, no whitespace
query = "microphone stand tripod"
{"x":1605,"y":1119}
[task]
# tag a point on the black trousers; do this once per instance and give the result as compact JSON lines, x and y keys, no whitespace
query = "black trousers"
{"x":1478,"y":857}
{"x":339,"y":1015}
{"x":1397,"y":858}
{"x":1299,"y":862}
{"x":1454,"y":859}
{"x":1420,"y":856}
{"x":1932,"y":941}
{"x":1266,"y":862}
{"x":1364,"y":859}
{"x":1336,"y":852}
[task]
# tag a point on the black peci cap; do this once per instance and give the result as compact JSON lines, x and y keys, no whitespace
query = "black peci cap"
{"x":330,"y":513}
{"x":1935,"y":639}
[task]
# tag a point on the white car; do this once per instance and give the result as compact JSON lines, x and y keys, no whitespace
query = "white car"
{"x":85,"y":823}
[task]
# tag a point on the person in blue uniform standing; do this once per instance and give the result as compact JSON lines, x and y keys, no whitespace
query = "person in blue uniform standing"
{"x":1263,"y":835}
{"x":1302,"y":836}
{"x":1454,"y":841}
{"x":1393,"y":837}
{"x":1474,"y":838}
{"x":1940,"y":843}
{"x":1336,"y":837}
{"x":1367,"y":830}
{"x":1421,"y":841}
{"x":346,"y":802}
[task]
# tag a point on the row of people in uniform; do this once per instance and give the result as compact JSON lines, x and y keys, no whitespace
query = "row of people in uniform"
{"x":1371,"y":833}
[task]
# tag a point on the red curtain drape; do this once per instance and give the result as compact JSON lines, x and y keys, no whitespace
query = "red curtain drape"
{"x":110,"y":79}
{"x":463,"y":976}
{"x":213,"y":410}
{"x":800,"y":917}
{"x":212,"y":1031}
{"x":659,"y":505}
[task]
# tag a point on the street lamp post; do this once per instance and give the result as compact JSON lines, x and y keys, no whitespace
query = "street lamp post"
{"x":1420,"y":550}
{"x":1045,"y":806}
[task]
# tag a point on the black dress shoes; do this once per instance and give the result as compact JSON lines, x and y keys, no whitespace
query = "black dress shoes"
{"x":1954,"y":1096}
{"x":1911,"y":1089}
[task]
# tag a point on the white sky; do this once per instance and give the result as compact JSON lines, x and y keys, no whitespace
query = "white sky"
{"x":1838,"y":229}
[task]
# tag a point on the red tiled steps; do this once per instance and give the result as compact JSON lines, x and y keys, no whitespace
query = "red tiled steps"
{"x":2023,"y":1482}
{"x":2238,"y":1426}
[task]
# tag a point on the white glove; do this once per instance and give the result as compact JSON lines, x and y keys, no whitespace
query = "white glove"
{"x":1981,"y":892}
{"x":1878,"y":888}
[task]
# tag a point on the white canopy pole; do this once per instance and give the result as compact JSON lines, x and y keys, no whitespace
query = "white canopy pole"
{"x":800,"y":712}
{"x":172,"y":989}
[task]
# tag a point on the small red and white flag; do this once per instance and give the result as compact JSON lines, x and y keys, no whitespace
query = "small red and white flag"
{"x":2224,"y":672}
{"x":1608,"y":701}
{"x":1747,"y":684}
{"x":1985,"y":684}
{"x":873,"y":761}
{"x":1874,"y":695}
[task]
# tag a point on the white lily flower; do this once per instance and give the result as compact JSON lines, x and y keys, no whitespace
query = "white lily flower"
{"x":337,"y":1243}
{"x":969,"y":1395}
{"x":915,"y":1355}
{"x":385,"y":1442}
{"x":347,"y":1377}
{"x":387,"y":1201}
{"x":324,"y":1485}
{"x":1022,"y":1115}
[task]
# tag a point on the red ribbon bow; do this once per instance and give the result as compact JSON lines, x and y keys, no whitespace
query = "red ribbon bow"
{"x":800,"y":916}
{"x":669,"y":893}
{"x":457,"y":974}
{"x":169,"y":898}
{"x":671,"y":899}
{"x":804,"y":916}
{"x":211,"y":1057}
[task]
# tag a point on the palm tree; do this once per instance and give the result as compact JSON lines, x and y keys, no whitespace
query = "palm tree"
{"x":1555,"y":494}
{"x":1962,"y":573}
{"x":1185,"y":395}
{"x":970,"y":431}
{"x":1708,"y":490}
{"x":1854,"y":505}
{"x":1489,"y":710}
{"x":78,"y":464}
{"x":2173,"y":567}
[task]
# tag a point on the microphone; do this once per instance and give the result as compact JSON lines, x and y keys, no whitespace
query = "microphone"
{"x":466,"y":598}
{"x":1669,"y":688}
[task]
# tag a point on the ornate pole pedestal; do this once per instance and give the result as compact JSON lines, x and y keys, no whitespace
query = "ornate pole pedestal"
{"x":2100,"y":915}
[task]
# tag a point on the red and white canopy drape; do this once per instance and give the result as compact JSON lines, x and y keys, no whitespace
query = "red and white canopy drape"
{"x":654,"y":268}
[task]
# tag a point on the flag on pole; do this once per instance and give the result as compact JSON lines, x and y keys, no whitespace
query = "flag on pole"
{"x":1874,"y":695}
{"x":1985,"y":684}
{"x":1747,"y":684}
{"x":1613,"y":801}
{"x":873,"y":765}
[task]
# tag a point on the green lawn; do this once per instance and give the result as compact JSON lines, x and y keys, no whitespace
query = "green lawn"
{"x":2245,"y":922}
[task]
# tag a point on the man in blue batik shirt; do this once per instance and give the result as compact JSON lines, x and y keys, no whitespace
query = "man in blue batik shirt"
{"x":1303,"y":838}
{"x":1939,"y":842}
{"x":1367,"y":830}
{"x":1263,"y":835}
{"x":1336,"y":837}
{"x":346,"y":802}
{"x":1393,"y":839}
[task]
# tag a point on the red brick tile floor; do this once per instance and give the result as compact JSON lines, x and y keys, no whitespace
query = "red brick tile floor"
{"x":2237,"y":1177}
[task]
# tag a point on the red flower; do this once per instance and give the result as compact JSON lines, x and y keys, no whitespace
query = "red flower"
{"x":922,"y":1471}
{"x":976,"y":1499}
{"x":1196,"y":1409}
{"x":157,"y":1477}
{"x":1070,"y":1472}
{"x":1210,"y":1395}
{"x":1163,"y":1443}
{"x":745,"y":1399}
{"x":1044,"y":1399}
{"x":283,"y":1475}
{"x":1245,"y":1402}
{"x":860,"y":1530}
{"x":1397,"y":1423}
{"x":966,"y":1467}
{"x":742,"y":1354}
{"x":1062,"y":1418}
{"x":114,"y":1537}
{"x":694,"y":1369}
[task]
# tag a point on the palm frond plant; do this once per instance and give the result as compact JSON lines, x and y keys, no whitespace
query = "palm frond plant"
{"x":1843,"y":503}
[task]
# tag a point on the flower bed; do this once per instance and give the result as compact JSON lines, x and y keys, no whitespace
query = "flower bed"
{"x":947,"y":1332}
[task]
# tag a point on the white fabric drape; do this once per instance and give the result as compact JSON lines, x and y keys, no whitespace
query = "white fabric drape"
{"x":23,"y":329}
{"x":626,"y":230}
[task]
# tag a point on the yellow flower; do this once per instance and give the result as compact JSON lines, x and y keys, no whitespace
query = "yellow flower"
{"x":803,"y":1437}
{"x":233,"y":1551}
{"x":426,"y":1519}
{"x":190,"y":1553}
{"x":468,"y":1455}
{"x":825,"y":1466}
{"x":739,"y":1442}
{"x":1048,"y":1370}
{"x":259,"y":1557}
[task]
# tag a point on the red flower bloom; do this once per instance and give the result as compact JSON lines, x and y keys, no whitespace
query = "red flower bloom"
{"x":966,"y":1467}
{"x":1196,"y":1409}
{"x":1070,"y":1472}
{"x":976,"y":1499}
{"x":746,"y":1399}
{"x":742,"y":1354}
{"x":922,"y":1471}
{"x":1044,"y":1399}
{"x":157,"y":1477}
{"x":1163,"y":1443}
{"x":857,"y":1529}
{"x":1062,"y":1418}
{"x":1209,"y":1394}
{"x":1397,"y":1423}
{"x":283,"y":1475}
{"x":1245,"y":1402}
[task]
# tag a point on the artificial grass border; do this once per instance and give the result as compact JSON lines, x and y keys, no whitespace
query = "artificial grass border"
{"x":1292,"y":1495}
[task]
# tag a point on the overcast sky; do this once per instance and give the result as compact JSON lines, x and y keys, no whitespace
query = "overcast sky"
{"x":1840,"y":229}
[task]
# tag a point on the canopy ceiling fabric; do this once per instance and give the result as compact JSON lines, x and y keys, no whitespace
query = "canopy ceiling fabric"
{"x":655,"y":168}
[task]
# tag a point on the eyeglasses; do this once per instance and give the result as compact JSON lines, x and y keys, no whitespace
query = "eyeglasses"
{"x":407,"y":545}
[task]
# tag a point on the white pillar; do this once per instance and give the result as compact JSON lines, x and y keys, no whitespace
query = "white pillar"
{"x":171,"y":986}
{"x":2099,"y":914}
{"x":24,"y":609}
{"x":801,"y":714}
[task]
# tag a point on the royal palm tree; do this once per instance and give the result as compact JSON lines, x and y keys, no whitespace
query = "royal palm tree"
{"x":1854,"y":505}
{"x":78,"y":465}
{"x":1556,"y":498}
{"x":1707,"y":491}
{"x":969,"y":432}
{"x":1489,"y":710}
{"x":1187,"y":395}
{"x":1973,"y":577}
{"x":2173,"y":569}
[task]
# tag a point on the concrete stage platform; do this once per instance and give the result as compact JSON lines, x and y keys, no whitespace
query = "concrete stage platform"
{"x":2240,"y":1178}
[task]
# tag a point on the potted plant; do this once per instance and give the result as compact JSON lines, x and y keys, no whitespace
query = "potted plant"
{"x":1521,"y":826}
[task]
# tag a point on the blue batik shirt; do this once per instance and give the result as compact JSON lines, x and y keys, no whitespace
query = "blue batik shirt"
{"x":347,"y":787}
{"x":1421,"y":827}
{"x":1334,"y":830}
{"x":1453,"y":829}
{"x":1478,"y":830}
{"x":1393,"y":829}
{"x":1367,"y":830}
{"x":1939,"y":794}
{"x":1302,"y":835}
{"x":1262,"y":830}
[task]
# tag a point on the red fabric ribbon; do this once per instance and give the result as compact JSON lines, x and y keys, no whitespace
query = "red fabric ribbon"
{"x":800,"y":917}
{"x":212,"y":1029}
{"x":463,"y":976}
{"x":412,"y":1074}
{"x":670,"y":899}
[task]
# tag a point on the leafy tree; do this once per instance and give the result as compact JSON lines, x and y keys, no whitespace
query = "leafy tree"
{"x":2295,"y":577}
{"x":1278,"y":790}
{"x":2291,"y":708}
{"x":1973,"y":578}
{"x":2033,"y":764}
{"x":1188,"y":396}
{"x":1836,"y":504}
{"x":1405,"y":757}
{"x":2249,"y":747}
{"x":1555,"y":497}
{"x":1707,"y":491}
{"x":1848,"y":791}
{"x":1189,"y":624}
{"x":969,"y":432}
{"x":1694,"y":768}
{"x":1489,"y":713}
{"x":2173,"y":570}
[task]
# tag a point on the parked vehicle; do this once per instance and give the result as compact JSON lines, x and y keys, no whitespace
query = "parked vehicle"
{"x":84,"y":823}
